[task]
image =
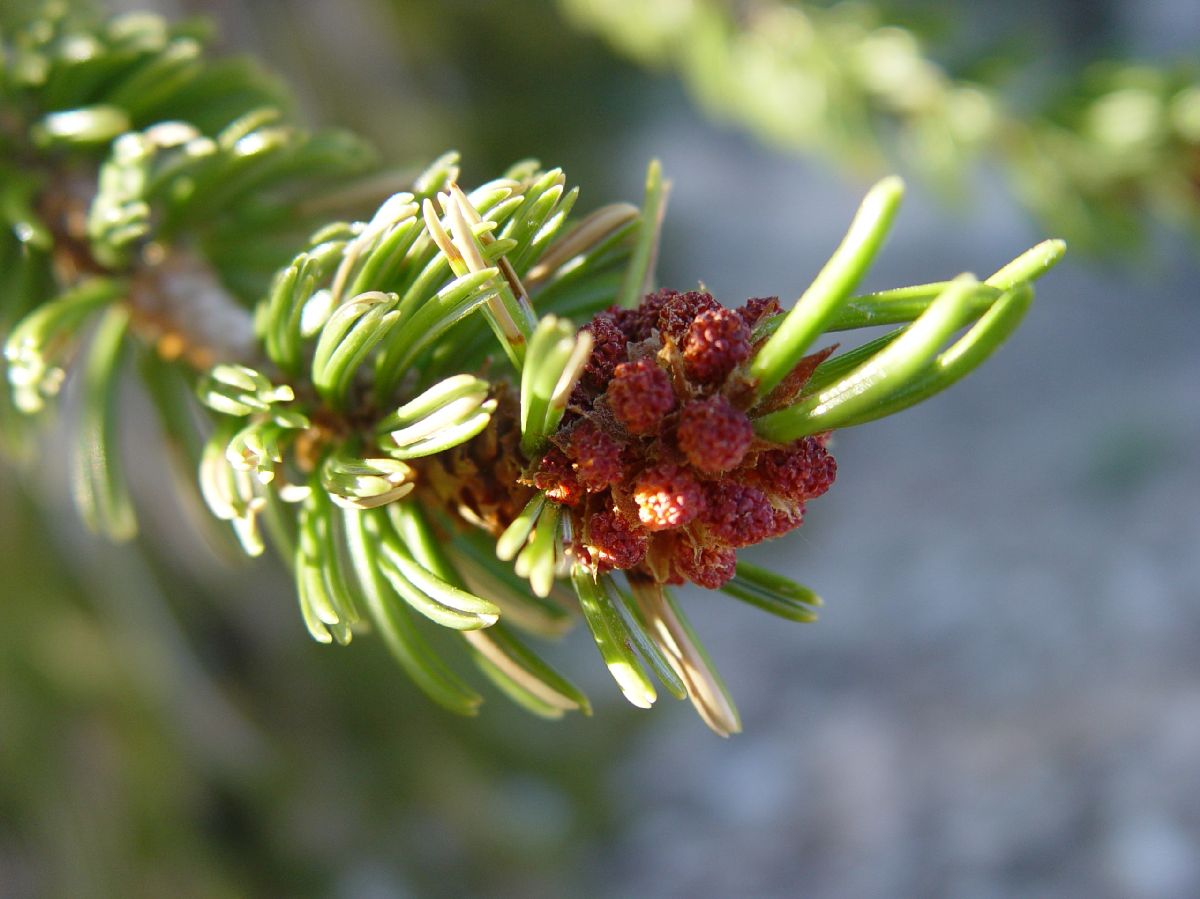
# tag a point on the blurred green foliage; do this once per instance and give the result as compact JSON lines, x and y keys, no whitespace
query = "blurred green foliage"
{"x":1096,"y":155}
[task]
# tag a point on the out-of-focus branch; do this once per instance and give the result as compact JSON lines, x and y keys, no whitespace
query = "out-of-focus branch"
{"x":1121,"y":145}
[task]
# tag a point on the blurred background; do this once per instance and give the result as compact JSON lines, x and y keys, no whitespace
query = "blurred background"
{"x":1002,"y":697}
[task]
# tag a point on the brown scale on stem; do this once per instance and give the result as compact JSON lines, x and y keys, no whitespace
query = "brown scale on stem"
{"x":176,"y":302}
{"x":481,"y":482}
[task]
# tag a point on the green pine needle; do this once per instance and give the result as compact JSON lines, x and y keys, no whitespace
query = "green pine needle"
{"x":830,"y":289}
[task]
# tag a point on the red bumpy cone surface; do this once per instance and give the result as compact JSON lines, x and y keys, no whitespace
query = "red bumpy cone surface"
{"x":657,"y":462}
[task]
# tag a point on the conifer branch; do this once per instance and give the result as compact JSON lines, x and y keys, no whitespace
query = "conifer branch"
{"x":404,"y":405}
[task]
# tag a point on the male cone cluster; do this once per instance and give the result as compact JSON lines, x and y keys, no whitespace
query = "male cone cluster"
{"x":657,"y":459}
